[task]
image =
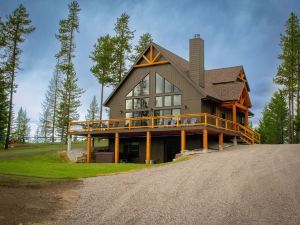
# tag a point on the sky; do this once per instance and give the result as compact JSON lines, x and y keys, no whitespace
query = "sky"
{"x":245,"y":32}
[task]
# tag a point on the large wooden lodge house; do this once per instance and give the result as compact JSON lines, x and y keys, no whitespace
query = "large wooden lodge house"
{"x":166,"y":105}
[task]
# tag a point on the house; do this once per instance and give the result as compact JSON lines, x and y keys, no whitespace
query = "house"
{"x":166,"y":105}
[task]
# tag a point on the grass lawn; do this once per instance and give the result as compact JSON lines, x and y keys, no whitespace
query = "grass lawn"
{"x":44,"y":161}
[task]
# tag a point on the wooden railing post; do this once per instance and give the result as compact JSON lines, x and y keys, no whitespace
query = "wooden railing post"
{"x":152,"y":122}
{"x":217,"y":122}
{"x":177,"y":121}
{"x":205,"y":119}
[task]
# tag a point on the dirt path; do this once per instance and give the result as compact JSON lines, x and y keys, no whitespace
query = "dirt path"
{"x":46,"y":204}
{"x":249,"y":185}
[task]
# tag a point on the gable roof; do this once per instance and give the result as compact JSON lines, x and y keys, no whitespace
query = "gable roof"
{"x":220,"y":84}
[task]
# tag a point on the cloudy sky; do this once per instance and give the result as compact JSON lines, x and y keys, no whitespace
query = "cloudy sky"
{"x":244,"y":32}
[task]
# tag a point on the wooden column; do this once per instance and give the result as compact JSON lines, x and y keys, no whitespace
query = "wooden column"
{"x":205,"y":140}
{"x":221,"y":142}
{"x":234,"y":115}
{"x":117,"y":148}
{"x":88,"y":148}
{"x":246,"y":118}
{"x":148,"y":147}
{"x":183,"y":141}
{"x":69,"y":142}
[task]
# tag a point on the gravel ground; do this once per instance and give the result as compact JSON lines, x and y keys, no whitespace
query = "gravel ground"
{"x":257,"y":184}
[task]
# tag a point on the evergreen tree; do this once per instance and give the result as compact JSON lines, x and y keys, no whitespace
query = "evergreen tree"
{"x":273,"y":124}
{"x":16,"y":27}
{"x":144,"y":41}
{"x":123,"y":47}
{"x":103,"y":58}
{"x":22,"y":128}
{"x":287,"y":72}
{"x":93,"y":110}
{"x":45,"y":123}
{"x":49,"y":106}
{"x":70,"y":92}
{"x":3,"y":86}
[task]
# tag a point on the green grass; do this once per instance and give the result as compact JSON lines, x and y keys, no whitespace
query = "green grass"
{"x":42,"y":163}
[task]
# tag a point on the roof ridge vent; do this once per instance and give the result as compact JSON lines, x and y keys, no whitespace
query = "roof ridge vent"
{"x":197,"y":36}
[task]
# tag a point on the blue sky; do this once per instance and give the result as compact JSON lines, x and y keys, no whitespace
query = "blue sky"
{"x":244,"y":32}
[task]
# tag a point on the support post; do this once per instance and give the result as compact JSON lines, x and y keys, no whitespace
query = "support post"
{"x":234,"y":141}
{"x":117,"y":146}
{"x":69,"y":142}
{"x":221,"y":141}
{"x":234,"y":116}
{"x":148,"y":147}
{"x":246,"y":118}
{"x":88,"y":148}
{"x":205,"y":140}
{"x":183,"y":141}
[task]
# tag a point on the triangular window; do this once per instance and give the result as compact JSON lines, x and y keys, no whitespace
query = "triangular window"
{"x":141,"y":89}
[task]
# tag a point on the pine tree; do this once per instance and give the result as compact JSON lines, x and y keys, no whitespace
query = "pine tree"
{"x":3,"y":86}
{"x":22,"y":128}
{"x":123,"y":47}
{"x":45,"y":123}
{"x":144,"y":41}
{"x":287,"y":72}
{"x":49,"y":106}
{"x":16,"y":27}
{"x":70,"y":92}
{"x":273,"y":125}
{"x":103,"y":58}
{"x":93,"y":110}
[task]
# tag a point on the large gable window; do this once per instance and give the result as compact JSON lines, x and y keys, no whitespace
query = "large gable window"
{"x":137,"y":101}
{"x":168,"y":96}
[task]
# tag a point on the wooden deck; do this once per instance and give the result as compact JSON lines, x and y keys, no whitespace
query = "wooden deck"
{"x":157,"y":124}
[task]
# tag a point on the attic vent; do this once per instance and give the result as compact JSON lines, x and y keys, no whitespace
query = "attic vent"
{"x":197,"y":36}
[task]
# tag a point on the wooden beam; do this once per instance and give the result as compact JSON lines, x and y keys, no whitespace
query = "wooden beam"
{"x":221,"y":142}
{"x":88,"y":148}
{"x":183,"y":141}
{"x":205,"y":140}
{"x":148,"y":61}
{"x":246,"y":118}
{"x":117,"y":148}
{"x":151,"y":54}
{"x":148,"y":147}
{"x":152,"y":64}
{"x":234,"y":115}
{"x":156,"y":57}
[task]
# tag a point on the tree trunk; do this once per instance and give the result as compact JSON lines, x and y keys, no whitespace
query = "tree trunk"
{"x":101,"y":101}
{"x":11,"y":90}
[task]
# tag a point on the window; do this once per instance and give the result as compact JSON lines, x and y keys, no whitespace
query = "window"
{"x":164,"y":86}
{"x":128,"y":103}
{"x":175,"y":112}
{"x":159,"y":84}
{"x":159,"y":101}
{"x":129,"y":94}
{"x":168,"y":87}
{"x":144,"y":103}
{"x":142,"y":88}
{"x":128,"y":115}
{"x":177,"y":100}
{"x":168,"y":100}
{"x":136,"y":103}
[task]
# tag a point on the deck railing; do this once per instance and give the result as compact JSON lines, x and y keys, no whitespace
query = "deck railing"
{"x":184,"y":120}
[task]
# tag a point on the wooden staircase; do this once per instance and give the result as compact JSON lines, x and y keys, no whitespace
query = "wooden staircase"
{"x":247,"y":135}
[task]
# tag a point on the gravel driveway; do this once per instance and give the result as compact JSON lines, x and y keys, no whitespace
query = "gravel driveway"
{"x":257,"y":184}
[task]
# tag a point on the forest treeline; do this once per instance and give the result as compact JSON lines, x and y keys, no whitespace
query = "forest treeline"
{"x":110,"y":57}
{"x":280,"y":121}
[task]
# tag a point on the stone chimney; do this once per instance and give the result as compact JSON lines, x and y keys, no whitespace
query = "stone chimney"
{"x":197,"y":60}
